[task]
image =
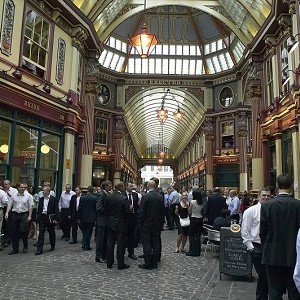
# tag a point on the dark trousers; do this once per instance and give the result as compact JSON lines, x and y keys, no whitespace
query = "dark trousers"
{"x":173,"y":217}
{"x":167,"y":216}
{"x":87,"y":232}
{"x":101,"y":242}
{"x":132,"y":224}
{"x":114,"y":236}
{"x":280,"y":279}
{"x":65,"y":222}
{"x":262,"y":282}
{"x":19,"y":224}
{"x":195,"y":230}
{"x":43,"y":224}
{"x":74,"y":227}
{"x":151,"y":248}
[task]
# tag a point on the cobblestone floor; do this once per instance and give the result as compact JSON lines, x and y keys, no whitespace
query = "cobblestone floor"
{"x":70,"y":273}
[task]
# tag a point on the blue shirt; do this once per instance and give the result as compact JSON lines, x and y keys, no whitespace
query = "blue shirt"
{"x":234,"y":206}
{"x":174,"y":197}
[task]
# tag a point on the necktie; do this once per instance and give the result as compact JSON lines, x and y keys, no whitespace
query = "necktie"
{"x":130,"y":200}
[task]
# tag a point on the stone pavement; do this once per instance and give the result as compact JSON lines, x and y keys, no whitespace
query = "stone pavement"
{"x":70,"y":273}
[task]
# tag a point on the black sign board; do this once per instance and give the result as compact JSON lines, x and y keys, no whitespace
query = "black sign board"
{"x":234,"y":257}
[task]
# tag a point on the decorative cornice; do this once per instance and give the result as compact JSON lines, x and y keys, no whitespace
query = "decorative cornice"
{"x":91,"y":88}
{"x":41,"y":5}
{"x":198,"y":93}
{"x":132,"y":91}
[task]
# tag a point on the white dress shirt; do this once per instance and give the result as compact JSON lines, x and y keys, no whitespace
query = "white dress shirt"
{"x":297,"y":267}
{"x":46,"y":202}
{"x":3,"y":199}
{"x":250,"y":226}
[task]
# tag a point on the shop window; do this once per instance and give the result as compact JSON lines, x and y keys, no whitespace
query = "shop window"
{"x":226,"y":97}
{"x":36,"y":43}
{"x":227,"y":134}
{"x":101,"y":131}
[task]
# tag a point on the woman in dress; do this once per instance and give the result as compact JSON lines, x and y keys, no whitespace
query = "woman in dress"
{"x":181,"y":211}
{"x":196,"y":226}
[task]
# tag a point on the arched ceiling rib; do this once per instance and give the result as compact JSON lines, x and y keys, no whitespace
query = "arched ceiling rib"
{"x":145,"y":128}
{"x":243,"y":17}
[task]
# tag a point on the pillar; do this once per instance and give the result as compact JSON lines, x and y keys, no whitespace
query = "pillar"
{"x":69,"y":151}
{"x":296,"y":162}
{"x":258,"y":164}
{"x":209,"y":162}
{"x":118,"y":135}
{"x":278,"y":148}
{"x":88,"y":142}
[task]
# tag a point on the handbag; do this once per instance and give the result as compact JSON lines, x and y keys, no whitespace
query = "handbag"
{"x":184,"y":222}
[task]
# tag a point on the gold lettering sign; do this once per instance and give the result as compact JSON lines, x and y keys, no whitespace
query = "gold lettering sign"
{"x":68,"y":164}
{"x":31,"y":105}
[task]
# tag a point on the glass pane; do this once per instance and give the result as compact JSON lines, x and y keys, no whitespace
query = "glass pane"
{"x":23,"y":174}
{"x":158,"y":66}
{"x":25,"y":147}
{"x":5,"y":129}
{"x":49,"y":151}
{"x":179,"y":49}
{"x":49,"y":176}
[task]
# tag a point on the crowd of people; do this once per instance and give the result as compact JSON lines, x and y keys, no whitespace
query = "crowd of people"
{"x":124,"y":217}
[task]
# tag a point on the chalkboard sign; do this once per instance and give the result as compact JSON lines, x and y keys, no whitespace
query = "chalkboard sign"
{"x":234,"y":257}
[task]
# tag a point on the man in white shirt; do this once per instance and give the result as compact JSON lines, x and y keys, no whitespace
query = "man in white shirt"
{"x":21,"y":206}
{"x":3,"y":202}
{"x":251,"y":239}
{"x":64,"y":205}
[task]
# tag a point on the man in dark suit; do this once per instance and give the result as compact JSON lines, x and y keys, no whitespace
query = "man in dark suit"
{"x":87,"y":216}
{"x":118,"y":211}
{"x":101,"y":240}
{"x":133,"y":200}
{"x":47,"y":216}
{"x":279,"y":225}
{"x":214,"y":206}
{"x":151,"y":220}
{"x":73,"y":214}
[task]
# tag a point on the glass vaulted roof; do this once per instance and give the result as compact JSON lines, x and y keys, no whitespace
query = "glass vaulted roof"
{"x":192,"y":42}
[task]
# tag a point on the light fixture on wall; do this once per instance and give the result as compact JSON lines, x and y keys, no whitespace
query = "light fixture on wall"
{"x":285,"y":77}
{"x":292,"y":44}
{"x":144,"y":43}
{"x":16,"y":73}
{"x":4,"y":148}
{"x":68,"y":98}
{"x":45,"y":149}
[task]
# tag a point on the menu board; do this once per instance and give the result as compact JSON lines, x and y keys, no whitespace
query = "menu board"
{"x":234,"y":257}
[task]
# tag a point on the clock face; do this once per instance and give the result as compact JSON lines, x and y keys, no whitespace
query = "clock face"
{"x":103,"y":95}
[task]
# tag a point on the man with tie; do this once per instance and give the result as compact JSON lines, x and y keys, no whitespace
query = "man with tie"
{"x":47,"y":217}
{"x":279,"y":225}
{"x":73,"y":214}
{"x":132,"y":199}
{"x":118,"y":211}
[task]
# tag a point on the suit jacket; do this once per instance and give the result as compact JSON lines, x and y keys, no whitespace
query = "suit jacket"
{"x":101,"y":208}
{"x":152,"y":212}
{"x":214,"y":206}
{"x":87,"y":209}
{"x":72,"y":207}
{"x":279,"y":224}
{"x":118,"y":211}
{"x":51,"y":209}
